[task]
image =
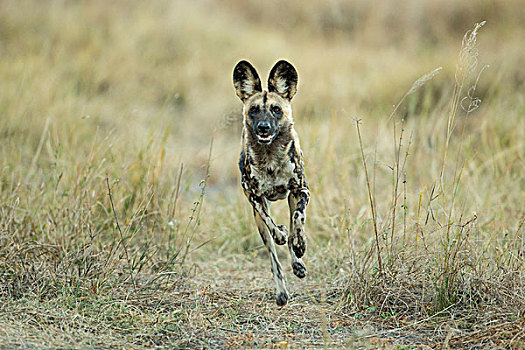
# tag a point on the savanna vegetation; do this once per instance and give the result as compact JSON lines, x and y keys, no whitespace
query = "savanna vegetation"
{"x":122,"y":223}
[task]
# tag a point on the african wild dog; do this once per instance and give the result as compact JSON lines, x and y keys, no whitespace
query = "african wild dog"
{"x":271,"y":162}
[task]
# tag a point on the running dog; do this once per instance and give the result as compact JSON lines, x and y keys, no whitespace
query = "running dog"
{"x":271,"y":162}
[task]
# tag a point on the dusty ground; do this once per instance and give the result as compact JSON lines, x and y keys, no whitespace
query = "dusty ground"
{"x":229,"y":303}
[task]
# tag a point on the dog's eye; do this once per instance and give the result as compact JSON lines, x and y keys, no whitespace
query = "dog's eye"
{"x":253,"y":109}
{"x":276,"y":109}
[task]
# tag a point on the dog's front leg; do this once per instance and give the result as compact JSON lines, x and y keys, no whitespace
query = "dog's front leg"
{"x":298,"y":200}
{"x":278,"y":232}
{"x":298,"y":266}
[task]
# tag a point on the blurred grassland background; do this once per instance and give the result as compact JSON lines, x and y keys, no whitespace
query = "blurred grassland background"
{"x":126,"y":96}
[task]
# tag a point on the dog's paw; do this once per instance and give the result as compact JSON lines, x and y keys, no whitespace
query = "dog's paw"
{"x":299,"y":269}
{"x":280,"y":235}
{"x":282,"y":298}
{"x":298,"y":243}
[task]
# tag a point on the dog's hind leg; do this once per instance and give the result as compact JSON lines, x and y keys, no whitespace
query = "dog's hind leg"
{"x":282,"y":295}
{"x":297,"y":201}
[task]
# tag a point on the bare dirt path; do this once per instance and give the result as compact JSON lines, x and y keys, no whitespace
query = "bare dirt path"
{"x":232,"y":304}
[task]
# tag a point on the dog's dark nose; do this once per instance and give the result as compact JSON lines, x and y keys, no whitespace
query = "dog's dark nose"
{"x":263,"y":128}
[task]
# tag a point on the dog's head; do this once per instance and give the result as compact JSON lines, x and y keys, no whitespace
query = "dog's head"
{"x":266,"y":113}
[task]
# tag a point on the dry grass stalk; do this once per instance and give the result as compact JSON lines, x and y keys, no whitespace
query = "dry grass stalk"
{"x":370,"y":198}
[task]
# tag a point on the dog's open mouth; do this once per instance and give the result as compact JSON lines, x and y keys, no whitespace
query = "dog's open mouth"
{"x":265,"y":138}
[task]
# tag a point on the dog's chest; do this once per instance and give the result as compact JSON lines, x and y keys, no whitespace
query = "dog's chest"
{"x":272,"y":179}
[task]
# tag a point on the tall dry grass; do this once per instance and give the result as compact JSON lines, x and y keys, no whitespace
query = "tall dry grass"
{"x":437,"y":256}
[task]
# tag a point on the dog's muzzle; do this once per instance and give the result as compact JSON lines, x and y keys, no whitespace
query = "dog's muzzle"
{"x":264,"y":132}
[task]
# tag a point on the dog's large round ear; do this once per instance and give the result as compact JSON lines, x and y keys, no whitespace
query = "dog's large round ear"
{"x":246,"y":80}
{"x":283,"y":80}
